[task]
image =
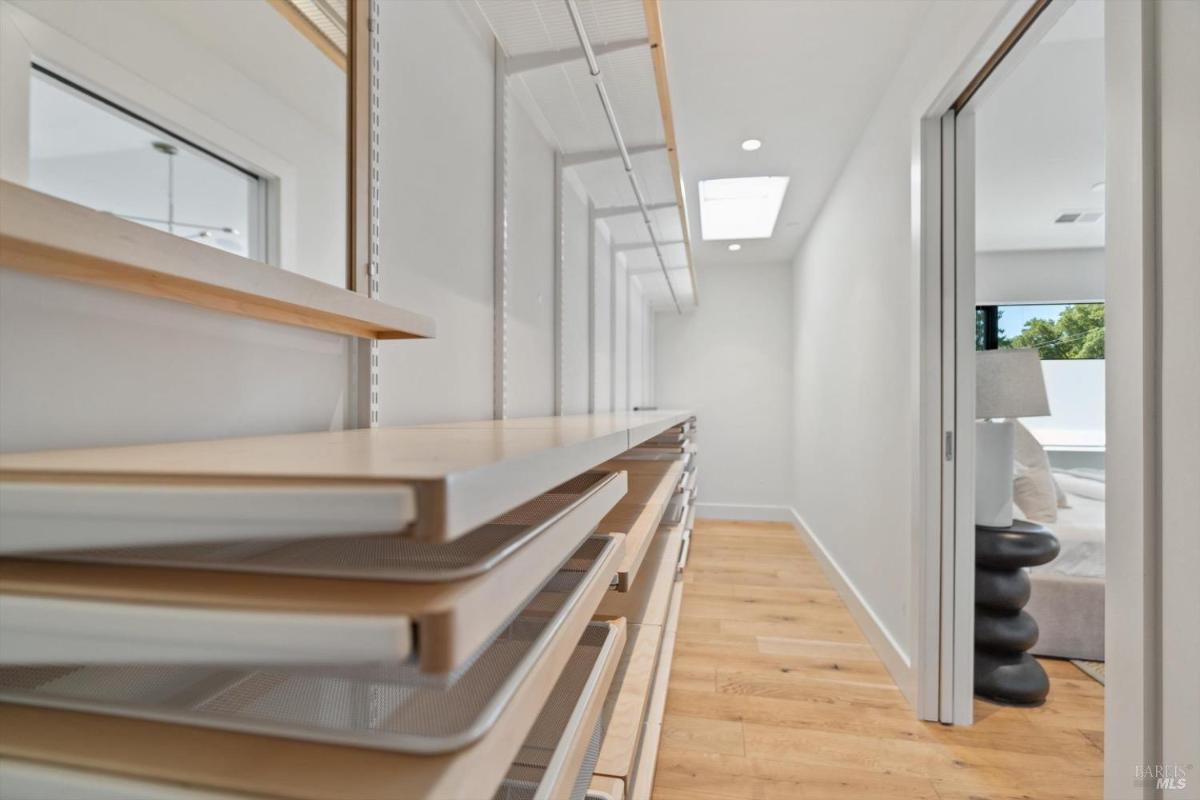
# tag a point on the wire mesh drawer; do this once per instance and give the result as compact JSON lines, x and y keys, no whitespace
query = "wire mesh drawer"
{"x":357,"y":604}
{"x":559,"y":755}
{"x":382,"y":705}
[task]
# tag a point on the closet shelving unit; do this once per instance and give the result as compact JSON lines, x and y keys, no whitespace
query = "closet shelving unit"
{"x":455,"y":627}
{"x":594,"y":72}
{"x":448,"y":611}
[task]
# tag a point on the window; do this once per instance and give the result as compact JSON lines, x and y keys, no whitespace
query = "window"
{"x":1069,"y":338}
{"x":1062,"y":332}
{"x":89,"y":150}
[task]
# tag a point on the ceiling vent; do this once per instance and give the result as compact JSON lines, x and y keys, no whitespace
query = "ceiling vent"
{"x":1078,"y":217}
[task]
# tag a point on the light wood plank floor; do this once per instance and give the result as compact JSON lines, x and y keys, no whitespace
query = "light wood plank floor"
{"x":776,"y":695}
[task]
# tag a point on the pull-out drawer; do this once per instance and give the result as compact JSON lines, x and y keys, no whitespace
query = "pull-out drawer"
{"x":555,"y":761}
{"x":309,"y":601}
{"x":641,"y":782}
{"x":628,"y":701}
{"x":43,"y":516}
{"x":637,"y":703}
{"x":431,"y":483}
{"x":403,"y":711}
{"x":648,"y":601}
{"x":558,"y":757}
{"x":637,"y":516}
{"x":351,"y":733}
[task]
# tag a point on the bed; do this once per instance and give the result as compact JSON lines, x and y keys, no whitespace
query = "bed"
{"x":1068,"y":593}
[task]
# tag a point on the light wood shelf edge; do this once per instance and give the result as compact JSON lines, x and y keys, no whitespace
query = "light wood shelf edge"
{"x":658,"y":56}
{"x":561,"y":784}
{"x":297,"y":769}
{"x":305,"y":27}
{"x":648,"y":601}
{"x":55,"y":238}
{"x":641,"y":532}
{"x":618,"y":750}
{"x":643,"y":783}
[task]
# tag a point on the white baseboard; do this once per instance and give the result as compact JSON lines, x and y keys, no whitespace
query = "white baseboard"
{"x":741,"y":511}
{"x":892,"y":655}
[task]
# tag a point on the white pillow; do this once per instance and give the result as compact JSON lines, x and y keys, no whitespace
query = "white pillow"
{"x":1034,"y":489}
{"x":1080,"y":485}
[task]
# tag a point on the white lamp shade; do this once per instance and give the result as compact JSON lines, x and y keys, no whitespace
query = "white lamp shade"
{"x":1009,"y":383}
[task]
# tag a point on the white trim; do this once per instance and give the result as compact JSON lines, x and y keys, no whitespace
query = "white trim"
{"x":744,"y":511}
{"x":886,"y":647}
{"x":1133,"y":589}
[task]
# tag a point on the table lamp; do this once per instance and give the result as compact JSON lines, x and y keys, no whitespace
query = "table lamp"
{"x":1008,"y":384}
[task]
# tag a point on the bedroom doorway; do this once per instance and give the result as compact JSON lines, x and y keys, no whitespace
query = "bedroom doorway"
{"x":1020,"y":563}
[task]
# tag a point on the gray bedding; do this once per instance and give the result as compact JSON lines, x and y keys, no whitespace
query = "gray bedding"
{"x":1068,"y":593}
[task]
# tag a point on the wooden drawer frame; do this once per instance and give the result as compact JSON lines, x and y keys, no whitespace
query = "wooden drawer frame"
{"x":248,"y":763}
{"x":637,"y":516}
{"x":442,"y":624}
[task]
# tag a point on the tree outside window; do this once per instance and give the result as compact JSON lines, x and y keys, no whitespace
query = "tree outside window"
{"x":1058,"y":332}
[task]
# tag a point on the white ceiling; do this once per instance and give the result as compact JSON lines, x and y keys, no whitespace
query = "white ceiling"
{"x":804,"y":77}
{"x":1040,"y":141}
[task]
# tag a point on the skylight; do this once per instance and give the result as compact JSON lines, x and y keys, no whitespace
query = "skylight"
{"x":740,"y":208}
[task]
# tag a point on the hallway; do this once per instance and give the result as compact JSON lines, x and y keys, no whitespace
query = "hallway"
{"x":775,"y":694}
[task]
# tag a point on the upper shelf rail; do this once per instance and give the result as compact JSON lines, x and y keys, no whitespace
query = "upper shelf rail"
{"x":594,"y":69}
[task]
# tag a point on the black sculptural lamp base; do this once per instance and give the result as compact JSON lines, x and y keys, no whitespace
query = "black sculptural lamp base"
{"x":1004,"y":672}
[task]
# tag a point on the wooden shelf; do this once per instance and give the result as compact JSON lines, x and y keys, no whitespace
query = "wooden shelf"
{"x":651,"y":486}
{"x":643,"y":780}
{"x":52,"y":237}
{"x":445,"y":623}
{"x":558,"y":745}
{"x":649,"y":599}
{"x":463,"y":476}
{"x":277,"y":767}
{"x":628,"y":701}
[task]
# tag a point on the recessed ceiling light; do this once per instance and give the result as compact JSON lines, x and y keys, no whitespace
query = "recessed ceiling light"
{"x":740,"y":208}
{"x":735,"y":247}
{"x":750,"y":145}
{"x":1098,"y":187}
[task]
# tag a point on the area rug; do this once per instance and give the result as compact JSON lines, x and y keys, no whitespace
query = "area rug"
{"x":1094,"y":669}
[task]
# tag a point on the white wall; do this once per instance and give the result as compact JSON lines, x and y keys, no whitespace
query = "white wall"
{"x":620,"y":336}
{"x":1039,"y":276}
{"x":731,"y":361}
{"x":855,"y":288}
{"x":636,"y":345}
{"x":575,"y":335}
{"x":531,"y":268}
{"x":603,"y":339}
{"x":436,"y":207}
{"x":84,"y":366}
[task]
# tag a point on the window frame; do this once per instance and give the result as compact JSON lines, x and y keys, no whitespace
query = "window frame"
{"x":261,"y":230}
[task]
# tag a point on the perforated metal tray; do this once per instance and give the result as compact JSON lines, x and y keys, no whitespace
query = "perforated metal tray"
{"x":558,"y":726}
{"x":384,"y":557}
{"x":384,"y":706}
